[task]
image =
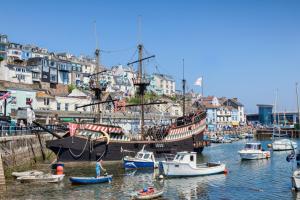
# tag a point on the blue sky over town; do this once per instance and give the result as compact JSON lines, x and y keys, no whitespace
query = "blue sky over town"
{"x":243,"y":49}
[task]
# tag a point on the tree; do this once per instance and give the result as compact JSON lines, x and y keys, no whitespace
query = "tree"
{"x":71,"y":88}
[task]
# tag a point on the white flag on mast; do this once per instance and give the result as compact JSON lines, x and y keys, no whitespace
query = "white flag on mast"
{"x":198,"y":81}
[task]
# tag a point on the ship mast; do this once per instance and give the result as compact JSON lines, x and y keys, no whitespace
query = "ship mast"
{"x":142,"y":88}
{"x":183,"y":89}
{"x":95,"y":84}
{"x":141,"y":83}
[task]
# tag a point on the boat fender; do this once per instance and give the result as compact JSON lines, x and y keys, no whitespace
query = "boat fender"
{"x":269,"y":145}
{"x":161,"y":176}
{"x":59,"y":170}
{"x":225,"y":171}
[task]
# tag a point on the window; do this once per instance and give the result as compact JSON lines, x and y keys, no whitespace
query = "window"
{"x":191,"y":158}
{"x":181,"y":158}
{"x":20,"y":77}
{"x":146,"y":156}
{"x":35,"y":75}
{"x":66,"y":107}
{"x":13,"y":100}
{"x":53,"y":78}
{"x":46,"y":101}
{"x":140,"y":155}
{"x":28,"y":101}
{"x":58,"y":106}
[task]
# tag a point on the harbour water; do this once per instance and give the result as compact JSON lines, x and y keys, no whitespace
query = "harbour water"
{"x":257,"y":179}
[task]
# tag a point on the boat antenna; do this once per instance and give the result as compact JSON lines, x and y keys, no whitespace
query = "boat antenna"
{"x":183,"y":89}
{"x":298,"y":105}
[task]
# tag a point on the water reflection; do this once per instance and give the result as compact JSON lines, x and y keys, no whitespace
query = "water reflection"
{"x":194,"y":187}
{"x":257,"y":179}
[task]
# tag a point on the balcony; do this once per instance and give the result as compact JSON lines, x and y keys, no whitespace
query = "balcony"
{"x":36,"y":79}
{"x":64,"y":68}
{"x":35,"y":69}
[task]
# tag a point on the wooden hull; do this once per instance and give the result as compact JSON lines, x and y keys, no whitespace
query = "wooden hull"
{"x":78,"y":149}
{"x":188,"y":137}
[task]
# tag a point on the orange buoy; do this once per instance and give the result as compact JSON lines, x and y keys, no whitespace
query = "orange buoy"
{"x":225,"y":171}
{"x":59,"y":170}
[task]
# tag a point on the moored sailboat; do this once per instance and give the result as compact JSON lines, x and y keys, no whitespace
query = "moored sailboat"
{"x":280,"y":144}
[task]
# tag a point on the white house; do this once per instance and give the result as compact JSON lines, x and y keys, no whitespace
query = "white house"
{"x":71,"y":101}
{"x":14,"y":51}
{"x":15,"y":72}
{"x":44,"y":100}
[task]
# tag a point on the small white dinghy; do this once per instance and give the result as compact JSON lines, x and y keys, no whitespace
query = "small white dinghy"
{"x":46,"y":178}
{"x":27,"y":173}
{"x":253,"y":151}
{"x":184,"y":164}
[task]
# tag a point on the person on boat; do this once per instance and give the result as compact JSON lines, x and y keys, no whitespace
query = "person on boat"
{"x":99,"y":168}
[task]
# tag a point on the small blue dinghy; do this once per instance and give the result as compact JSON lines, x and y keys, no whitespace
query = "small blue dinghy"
{"x":91,"y":180}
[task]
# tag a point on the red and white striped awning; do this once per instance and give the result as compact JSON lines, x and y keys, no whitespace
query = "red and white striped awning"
{"x":99,"y":128}
{"x":186,"y":128}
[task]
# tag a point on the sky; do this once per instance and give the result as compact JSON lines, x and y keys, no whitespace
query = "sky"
{"x":242,"y":48}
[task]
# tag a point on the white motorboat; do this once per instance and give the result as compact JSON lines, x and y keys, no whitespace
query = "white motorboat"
{"x":254,"y":151}
{"x":296,"y":179}
{"x":27,"y":173}
{"x":143,"y":159}
{"x":184,"y":164}
{"x":46,"y":178}
{"x":284,"y":145}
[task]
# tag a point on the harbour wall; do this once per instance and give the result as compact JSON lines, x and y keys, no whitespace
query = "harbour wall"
{"x":19,"y":152}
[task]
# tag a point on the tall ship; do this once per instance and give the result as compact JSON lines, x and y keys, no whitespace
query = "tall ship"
{"x":95,"y":141}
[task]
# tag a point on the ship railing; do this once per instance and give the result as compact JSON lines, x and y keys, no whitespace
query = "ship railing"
{"x":6,"y":131}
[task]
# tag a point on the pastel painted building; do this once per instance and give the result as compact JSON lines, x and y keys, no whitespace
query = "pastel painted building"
{"x":3,"y":47}
{"x":26,"y":52}
{"x":162,"y":84}
{"x":14,"y":51}
{"x":64,"y":72}
{"x":20,"y":98}
{"x":211,"y":117}
{"x":234,"y":103}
